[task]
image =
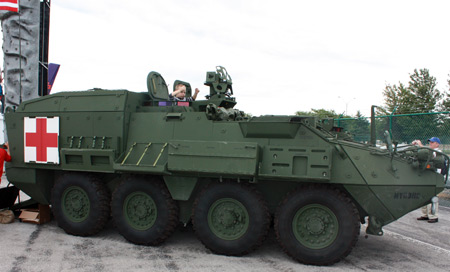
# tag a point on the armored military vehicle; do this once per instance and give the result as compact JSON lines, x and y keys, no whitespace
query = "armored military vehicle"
{"x":152,"y":163}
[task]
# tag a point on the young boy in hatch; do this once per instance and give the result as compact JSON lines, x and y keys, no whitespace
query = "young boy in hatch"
{"x":180,"y":94}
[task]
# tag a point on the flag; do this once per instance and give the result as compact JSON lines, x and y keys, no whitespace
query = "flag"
{"x":52,"y":72}
{"x":10,"y":5}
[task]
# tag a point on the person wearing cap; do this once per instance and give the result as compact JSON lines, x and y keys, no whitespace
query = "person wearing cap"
{"x":433,"y":143}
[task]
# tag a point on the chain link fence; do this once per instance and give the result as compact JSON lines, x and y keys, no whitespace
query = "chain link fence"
{"x":404,"y":128}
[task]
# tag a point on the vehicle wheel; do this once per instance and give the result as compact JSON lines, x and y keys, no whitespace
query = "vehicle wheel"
{"x":231,"y":218}
{"x":80,"y":204}
{"x":144,"y":211}
{"x":317,"y":225}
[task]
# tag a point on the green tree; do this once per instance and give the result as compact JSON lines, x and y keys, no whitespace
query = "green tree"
{"x":321,"y":113}
{"x":420,"y":96}
{"x":396,"y":98}
{"x":359,"y":127}
{"x":425,"y":95}
{"x":444,"y":119}
{"x":445,"y":105}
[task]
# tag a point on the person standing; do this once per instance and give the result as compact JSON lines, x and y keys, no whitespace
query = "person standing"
{"x":433,"y":143}
{"x":4,"y":156}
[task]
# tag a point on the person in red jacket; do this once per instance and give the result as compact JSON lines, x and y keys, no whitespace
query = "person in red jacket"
{"x":4,"y":156}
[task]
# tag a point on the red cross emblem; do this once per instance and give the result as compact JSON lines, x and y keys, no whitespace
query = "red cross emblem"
{"x":41,"y":139}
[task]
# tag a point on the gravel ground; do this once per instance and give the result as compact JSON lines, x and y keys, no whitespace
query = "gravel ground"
{"x":444,"y":198}
{"x":407,"y":245}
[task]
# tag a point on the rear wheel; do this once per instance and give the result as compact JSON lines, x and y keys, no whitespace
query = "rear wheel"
{"x":231,"y":218}
{"x":317,"y":225}
{"x":80,"y":203}
{"x":143,"y":211}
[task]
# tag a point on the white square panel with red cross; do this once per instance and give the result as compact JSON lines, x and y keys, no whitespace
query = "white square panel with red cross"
{"x":41,"y":139}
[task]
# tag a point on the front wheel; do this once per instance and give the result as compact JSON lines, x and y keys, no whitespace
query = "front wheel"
{"x":317,"y":225}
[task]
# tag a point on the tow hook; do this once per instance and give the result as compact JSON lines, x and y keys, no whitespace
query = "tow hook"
{"x":434,"y":202}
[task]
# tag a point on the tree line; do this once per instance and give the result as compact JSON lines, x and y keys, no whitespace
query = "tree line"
{"x":412,"y":109}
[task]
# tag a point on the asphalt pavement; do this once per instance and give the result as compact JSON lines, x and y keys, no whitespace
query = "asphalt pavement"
{"x":407,"y":245}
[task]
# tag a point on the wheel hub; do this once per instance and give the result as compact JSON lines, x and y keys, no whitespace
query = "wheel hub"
{"x":315,"y":226}
{"x":140,"y":210}
{"x":76,"y":204}
{"x":228,"y":219}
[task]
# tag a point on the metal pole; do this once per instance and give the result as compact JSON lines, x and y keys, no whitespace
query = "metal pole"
{"x":20,"y":61}
{"x":390,"y":121}
{"x":339,"y":120}
{"x":373,"y":137}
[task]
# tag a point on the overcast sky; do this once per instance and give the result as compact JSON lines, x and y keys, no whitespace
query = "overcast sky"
{"x":283,"y":56}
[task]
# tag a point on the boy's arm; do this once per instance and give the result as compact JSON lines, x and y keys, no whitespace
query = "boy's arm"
{"x":174,"y":93}
{"x":195,"y":94}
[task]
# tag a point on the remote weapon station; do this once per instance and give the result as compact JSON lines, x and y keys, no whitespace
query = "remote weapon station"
{"x":151,"y":163}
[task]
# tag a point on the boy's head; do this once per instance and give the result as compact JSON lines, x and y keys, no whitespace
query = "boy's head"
{"x":182,"y":89}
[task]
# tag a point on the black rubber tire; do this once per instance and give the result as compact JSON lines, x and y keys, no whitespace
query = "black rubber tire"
{"x":167,"y":211}
{"x":335,"y":201}
{"x":98,"y":199}
{"x":255,"y":206}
